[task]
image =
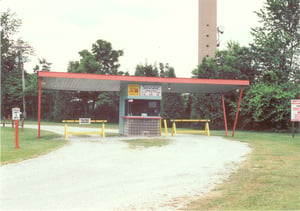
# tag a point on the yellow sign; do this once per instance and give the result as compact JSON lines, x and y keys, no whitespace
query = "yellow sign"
{"x":133,"y":90}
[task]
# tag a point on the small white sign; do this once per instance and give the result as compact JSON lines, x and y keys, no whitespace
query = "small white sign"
{"x":16,"y":113}
{"x":84,"y":121}
{"x":295,"y":110}
{"x":151,"y":90}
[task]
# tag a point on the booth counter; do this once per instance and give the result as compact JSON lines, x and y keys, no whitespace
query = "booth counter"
{"x":141,"y":126}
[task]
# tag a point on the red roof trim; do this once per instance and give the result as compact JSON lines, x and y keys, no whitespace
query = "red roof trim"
{"x":142,"y":78}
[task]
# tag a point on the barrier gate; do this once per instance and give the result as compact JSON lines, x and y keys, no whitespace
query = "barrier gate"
{"x":84,"y":121}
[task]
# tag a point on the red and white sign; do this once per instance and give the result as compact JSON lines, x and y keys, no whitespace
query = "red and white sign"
{"x":16,"y":113}
{"x":295,"y":110}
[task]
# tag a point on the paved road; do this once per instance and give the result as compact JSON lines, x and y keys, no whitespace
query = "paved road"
{"x":106,"y":174}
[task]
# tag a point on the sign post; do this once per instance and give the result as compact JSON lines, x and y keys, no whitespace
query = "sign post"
{"x":295,"y":113}
{"x":16,"y":118}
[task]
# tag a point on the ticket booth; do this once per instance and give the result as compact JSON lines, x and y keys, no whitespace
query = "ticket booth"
{"x":140,"y":109}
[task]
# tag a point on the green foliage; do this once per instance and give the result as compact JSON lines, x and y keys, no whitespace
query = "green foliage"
{"x":233,"y":63}
{"x":107,"y":106}
{"x":269,"y":105}
{"x":43,"y":66}
{"x":277,"y":42}
{"x":102,"y":59}
{"x":11,"y":63}
{"x":208,"y":106}
{"x":146,"y":70}
{"x":13,"y":93}
{"x":31,"y":94}
{"x":87,"y":64}
{"x":107,"y":57}
{"x":172,"y":106}
{"x":276,"y":50}
{"x":10,"y":26}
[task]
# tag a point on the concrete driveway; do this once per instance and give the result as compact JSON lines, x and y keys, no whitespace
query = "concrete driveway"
{"x":105,"y":174}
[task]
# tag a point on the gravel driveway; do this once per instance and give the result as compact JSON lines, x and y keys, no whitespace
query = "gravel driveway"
{"x":105,"y":174}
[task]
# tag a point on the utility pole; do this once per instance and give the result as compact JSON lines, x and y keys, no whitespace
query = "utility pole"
{"x":21,"y":65}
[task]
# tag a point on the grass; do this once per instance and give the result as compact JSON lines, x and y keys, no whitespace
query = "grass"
{"x":30,"y":146}
{"x":154,"y":142}
{"x":268,"y":179}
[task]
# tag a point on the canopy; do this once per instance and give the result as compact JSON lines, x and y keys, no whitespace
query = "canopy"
{"x":97,"y":82}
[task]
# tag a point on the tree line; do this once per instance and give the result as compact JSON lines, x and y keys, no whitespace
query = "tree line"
{"x":270,"y":62}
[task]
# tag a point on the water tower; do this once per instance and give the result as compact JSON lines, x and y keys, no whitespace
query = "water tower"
{"x":207,"y":42}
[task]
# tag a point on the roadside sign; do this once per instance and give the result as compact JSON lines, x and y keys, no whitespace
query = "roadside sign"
{"x":16,"y":113}
{"x":295,"y":110}
{"x":16,"y":117}
{"x":84,"y":121}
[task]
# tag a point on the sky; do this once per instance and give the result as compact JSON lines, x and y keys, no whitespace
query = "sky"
{"x":148,"y":31}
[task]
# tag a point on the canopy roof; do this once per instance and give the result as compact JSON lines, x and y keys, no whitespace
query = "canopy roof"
{"x":97,"y":82}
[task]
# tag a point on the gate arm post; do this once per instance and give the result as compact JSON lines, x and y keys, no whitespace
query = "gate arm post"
{"x":237,"y":112}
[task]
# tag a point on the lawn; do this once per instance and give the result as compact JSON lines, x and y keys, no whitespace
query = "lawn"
{"x":268,"y":179}
{"x":30,"y":146}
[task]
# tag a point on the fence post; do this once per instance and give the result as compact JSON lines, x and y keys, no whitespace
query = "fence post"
{"x":174,"y":128}
{"x":103,"y":130}
{"x":66,"y":131}
{"x":207,"y":129}
{"x":166,"y":127}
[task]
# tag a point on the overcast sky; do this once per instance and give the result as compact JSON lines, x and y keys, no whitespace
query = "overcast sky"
{"x":146,"y":30}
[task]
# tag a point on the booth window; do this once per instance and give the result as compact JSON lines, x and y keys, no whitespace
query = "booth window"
{"x":135,"y":107}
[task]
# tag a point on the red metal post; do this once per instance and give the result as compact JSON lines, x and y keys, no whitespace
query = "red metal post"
{"x":224,"y":112}
{"x":39,"y":109}
{"x":237,"y":112}
{"x":17,"y":134}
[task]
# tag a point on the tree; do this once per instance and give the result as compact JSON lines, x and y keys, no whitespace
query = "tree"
{"x":276,"y":50}
{"x":276,"y":45}
{"x":43,"y":66}
{"x":235,"y":62}
{"x":107,"y":57}
{"x":269,"y":105}
{"x":10,"y":51}
{"x":13,"y":91}
{"x":102,"y":59}
{"x":146,"y":70}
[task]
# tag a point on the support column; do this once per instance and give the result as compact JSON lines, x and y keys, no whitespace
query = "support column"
{"x":237,"y":112}
{"x":224,"y":112}
{"x":39,"y":109}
